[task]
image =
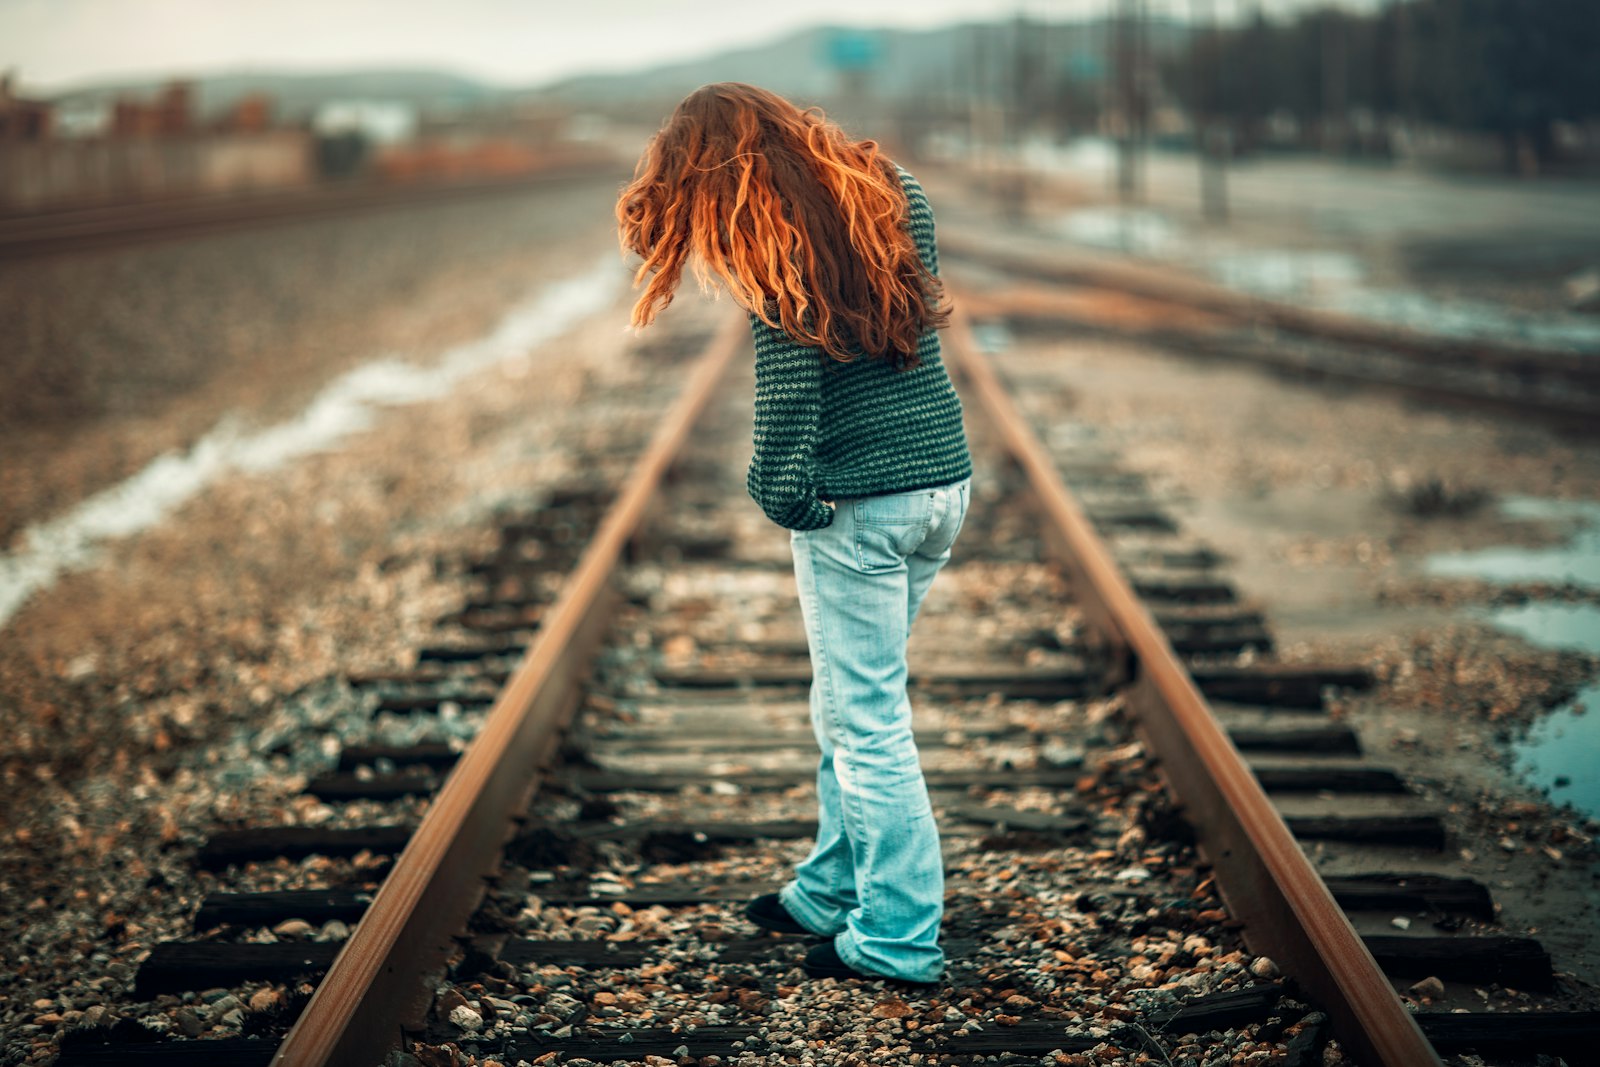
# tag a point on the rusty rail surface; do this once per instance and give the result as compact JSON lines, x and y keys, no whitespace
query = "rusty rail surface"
{"x":1264,"y":878}
{"x":375,"y":988}
{"x":56,"y":231}
{"x":1562,"y":396}
{"x":1170,"y":286}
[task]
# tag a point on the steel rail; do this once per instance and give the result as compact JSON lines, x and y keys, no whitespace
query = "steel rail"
{"x":375,"y":989}
{"x":143,"y":222}
{"x":1264,"y":878}
{"x":1575,"y":407}
{"x":1171,"y":287}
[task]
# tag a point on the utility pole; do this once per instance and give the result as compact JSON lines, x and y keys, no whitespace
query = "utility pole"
{"x":977,"y":127}
{"x":1211,"y":142}
{"x":1141,"y":88}
{"x":1404,"y":71}
{"x":1015,"y":186}
{"x":1334,"y":61}
{"x":1130,"y":104}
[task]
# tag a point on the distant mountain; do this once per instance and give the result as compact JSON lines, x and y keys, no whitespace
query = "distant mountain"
{"x":888,"y":63}
{"x":794,"y":64}
{"x":807,"y":65}
{"x":298,"y":95}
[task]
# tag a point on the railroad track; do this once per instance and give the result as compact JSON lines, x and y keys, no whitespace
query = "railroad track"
{"x":1119,"y":767}
{"x":1052,"y":291}
{"x":81,"y":229}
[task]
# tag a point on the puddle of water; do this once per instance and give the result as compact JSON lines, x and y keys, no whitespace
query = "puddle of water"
{"x":1472,"y":319}
{"x":991,"y":336}
{"x":1144,"y":233}
{"x":1552,"y":625}
{"x":1577,"y":560}
{"x":1324,"y":279}
{"x":1561,"y":751}
{"x":1096,"y":156}
{"x":1284,"y":274}
{"x":344,"y":406}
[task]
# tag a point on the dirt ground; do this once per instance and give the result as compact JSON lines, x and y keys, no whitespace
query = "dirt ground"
{"x":1303,"y":488}
{"x":141,"y":690}
{"x":118,"y":356}
{"x":198,"y":628}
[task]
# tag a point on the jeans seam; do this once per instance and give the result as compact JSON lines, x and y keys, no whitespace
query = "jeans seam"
{"x":848,"y":799}
{"x":823,"y":677}
{"x":823,"y":681}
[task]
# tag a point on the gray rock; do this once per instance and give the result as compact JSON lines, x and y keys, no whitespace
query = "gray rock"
{"x":1583,"y":290}
{"x":1430,"y":988}
{"x":224,"y":1004}
{"x":562,"y":1005}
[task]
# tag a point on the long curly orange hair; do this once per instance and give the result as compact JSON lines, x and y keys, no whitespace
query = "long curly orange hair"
{"x":802,"y":225}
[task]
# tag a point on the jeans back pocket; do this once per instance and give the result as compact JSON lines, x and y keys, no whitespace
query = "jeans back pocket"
{"x":893,"y":509}
{"x":889,"y":528}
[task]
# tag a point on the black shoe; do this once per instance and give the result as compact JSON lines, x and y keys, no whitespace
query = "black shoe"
{"x":767,"y":911}
{"x":823,"y":962}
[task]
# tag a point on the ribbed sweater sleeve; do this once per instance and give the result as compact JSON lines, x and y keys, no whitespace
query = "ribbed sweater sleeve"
{"x":782,"y":475}
{"x":919,"y":214}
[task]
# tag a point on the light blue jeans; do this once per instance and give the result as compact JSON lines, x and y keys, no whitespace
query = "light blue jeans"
{"x":875,"y":879}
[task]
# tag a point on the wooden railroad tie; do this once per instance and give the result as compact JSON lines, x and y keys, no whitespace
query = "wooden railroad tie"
{"x":1570,"y":1034}
{"x":1298,"y":685}
{"x":1385,"y":892}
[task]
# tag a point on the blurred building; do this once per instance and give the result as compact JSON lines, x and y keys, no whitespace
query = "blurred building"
{"x":170,"y":113}
{"x":378,"y":122}
{"x":143,"y":148}
{"x":21,"y":119}
{"x":349,"y":132}
{"x":500,"y":142}
{"x":101,"y":149}
{"x":81,"y":118}
{"x":251,"y":113}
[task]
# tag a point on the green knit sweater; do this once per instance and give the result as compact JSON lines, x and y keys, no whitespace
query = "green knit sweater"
{"x":826,"y":430}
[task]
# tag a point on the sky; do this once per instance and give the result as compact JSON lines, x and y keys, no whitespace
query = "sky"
{"x":58,"y":44}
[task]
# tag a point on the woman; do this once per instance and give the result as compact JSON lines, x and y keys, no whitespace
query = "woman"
{"x":859,"y":451}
